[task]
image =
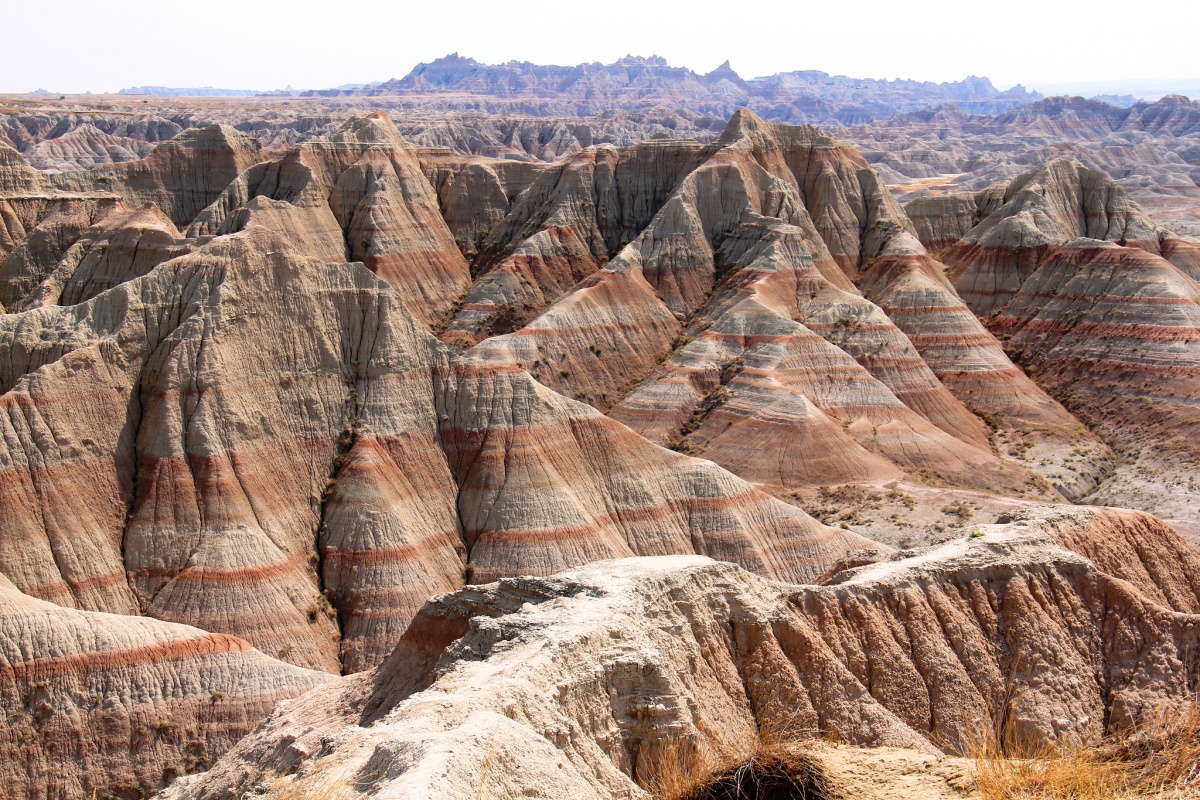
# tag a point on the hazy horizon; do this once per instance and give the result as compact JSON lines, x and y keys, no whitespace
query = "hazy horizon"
{"x":271,"y":44}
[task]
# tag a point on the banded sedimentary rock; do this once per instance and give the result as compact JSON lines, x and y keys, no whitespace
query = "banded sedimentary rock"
{"x":306,"y":487}
{"x":570,"y":220}
{"x":912,"y":289}
{"x":116,"y":706}
{"x":474,"y":194}
{"x":1115,"y":332}
{"x":48,"y":226}
{"x":84,"y":147}
{"x":123,"y":244}
{"x":762,"y":241}
{"x":181,"y":176}
{"x":1053,"y":204}
{"x":588,"y":680}
{"x":1097,"y":303}
{"x":358,"y":194}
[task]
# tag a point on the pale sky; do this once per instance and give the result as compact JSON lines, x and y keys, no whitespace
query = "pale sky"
{"x":73,"y":46}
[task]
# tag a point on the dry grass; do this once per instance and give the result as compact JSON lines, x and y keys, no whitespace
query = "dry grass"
{"x":1160,"y":759}
{"x":769,"y":768}
{"x":326,"y":788}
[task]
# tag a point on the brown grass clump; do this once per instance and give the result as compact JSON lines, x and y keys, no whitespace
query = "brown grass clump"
{"x":1159,"y":759}
{"x":328,"y":788}
{"x":773,"y":770}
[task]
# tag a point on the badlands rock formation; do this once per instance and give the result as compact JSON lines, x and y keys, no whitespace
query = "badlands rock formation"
{"x":189,"y":488}
{"x":738,"y":274}
{"x":285,"y":397}
{"x":963,"y":145}
{"x":1101,"y":306}
{"x":582,"y":684}
{"x":1149,"y":148}
{"x":454,"y":82}
{"x":117,"y":706}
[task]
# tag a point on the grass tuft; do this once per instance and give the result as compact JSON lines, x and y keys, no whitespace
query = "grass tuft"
{"x":1159,"y":759}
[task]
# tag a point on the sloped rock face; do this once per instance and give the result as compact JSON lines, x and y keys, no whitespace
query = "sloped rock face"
{"x":123,"y":244}
{"x":1024,"y":422}
{"x":1099,"y":305}
{"x":1058,"y":202}
{"x":567,"y":224}
{"x":85,"y":147}
{"x":120,"y":706}
{"x":307,"y":487}
{"x":695,"y":333}
{"x":601,"y":265}
{"x":356,"y":195}
{"x":579,"y":684}
{"x":181,"y":177}
{"x":1115,"y":332}
{"x":47,"y":226}
{"x":287,"y":400}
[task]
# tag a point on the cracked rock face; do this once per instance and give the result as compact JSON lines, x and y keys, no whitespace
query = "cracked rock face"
{"x":578,"y":683}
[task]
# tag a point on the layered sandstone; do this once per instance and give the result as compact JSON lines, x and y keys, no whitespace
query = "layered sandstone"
{"x":123,"y":244}
{"x":582,"y":683}
{"x":761,"y":238}
{"x":115,"y":706}
{"x":188,"y":487}
{"x":1099,"y":305}
{"x":181,"y":177}
{"x":356,"y":195}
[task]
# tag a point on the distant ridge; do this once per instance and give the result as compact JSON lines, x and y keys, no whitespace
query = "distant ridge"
{"x":195,"y":91}
{"x":455,"y":82}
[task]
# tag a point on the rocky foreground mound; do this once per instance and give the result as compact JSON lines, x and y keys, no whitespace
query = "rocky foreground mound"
{"x":581,"y":685}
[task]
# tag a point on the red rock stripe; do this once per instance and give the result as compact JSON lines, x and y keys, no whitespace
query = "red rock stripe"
{"x":203,"y":645}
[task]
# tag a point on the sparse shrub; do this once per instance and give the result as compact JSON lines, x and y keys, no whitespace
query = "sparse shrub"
{"x":960,"y":510}
{"x":772,"y":770}
{"x":897,"y":496}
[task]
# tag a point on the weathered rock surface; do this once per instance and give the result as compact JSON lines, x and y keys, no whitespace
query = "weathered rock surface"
{"x":188,"y":487}
{"x":778,"y":369}
{"x":454,"y":82}
{"x":1100,"y":305}
{"x":1058,"y":202}
{"x":123,"y":244}
{"x":117,"y":706}
{"x":578,"y":684}
{"x":181,"y":177}
{"x":85,"y":147}
{"x":356,"y":195}
{"x":567,"y":224}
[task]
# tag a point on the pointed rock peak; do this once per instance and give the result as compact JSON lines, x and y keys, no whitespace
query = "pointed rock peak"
{"x":724,"y":72}
{"x":743,"y":123}
{"x":373,"y":128}
{"x":1049,"y":174}
{"x":213,"y":136}
{"x":149,"y":215}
